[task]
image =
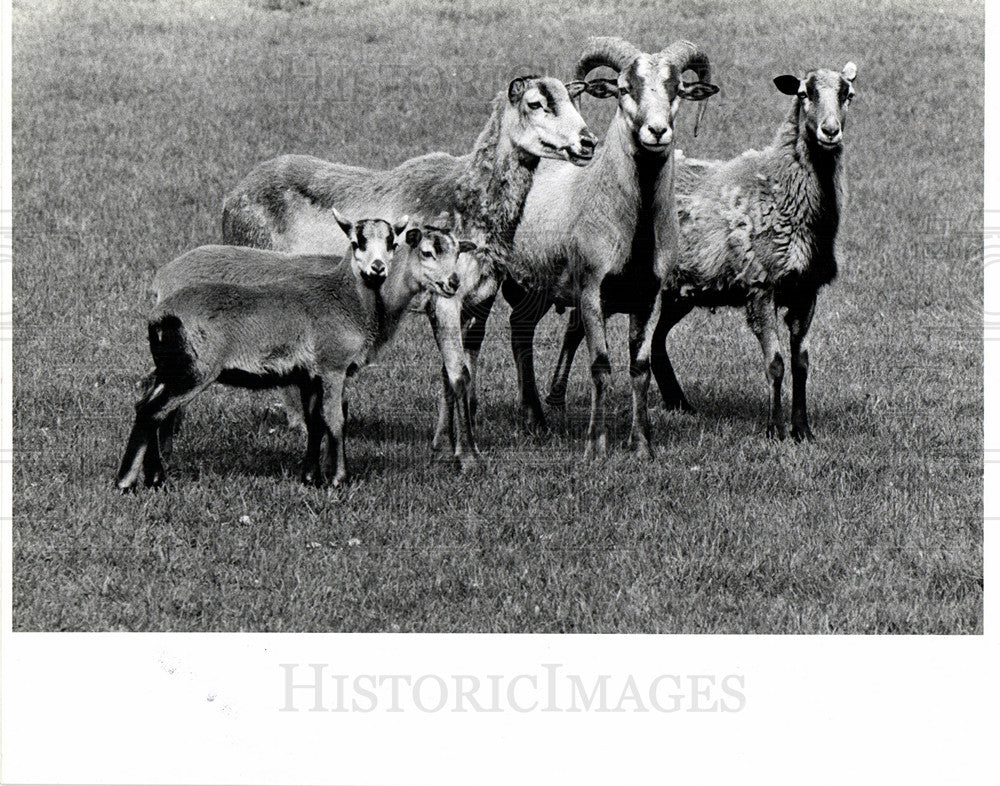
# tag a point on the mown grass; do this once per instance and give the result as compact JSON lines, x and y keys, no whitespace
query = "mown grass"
{"x":132,"y":119}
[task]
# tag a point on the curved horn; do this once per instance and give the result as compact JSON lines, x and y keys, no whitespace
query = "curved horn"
{"x":688,"y":56}
{"x":611,"y":51}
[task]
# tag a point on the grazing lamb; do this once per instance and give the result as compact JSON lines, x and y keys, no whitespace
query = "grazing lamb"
{"x":311,"y":330}
{"x":586,"y":235}
{"x":284,"y":204}
{"x":758,"y":232}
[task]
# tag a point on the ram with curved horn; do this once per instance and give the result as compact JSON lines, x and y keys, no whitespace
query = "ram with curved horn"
{"x":587,"y":236}
{"x":757,"y":232}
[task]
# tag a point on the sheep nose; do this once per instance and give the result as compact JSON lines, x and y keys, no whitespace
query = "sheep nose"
{"x":453,"y":281}
{"x":587,"y":140}
{"x":378,"y":267}
{"x":831,"y":128}
{"x":657,"y":131}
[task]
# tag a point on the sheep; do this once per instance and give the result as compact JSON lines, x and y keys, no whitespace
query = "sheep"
{"x":586,"y":234}
{"x":283,"y":204}
{"x":366,"y":257}
{"x":309,"y":329}
{"x":757,"y":232}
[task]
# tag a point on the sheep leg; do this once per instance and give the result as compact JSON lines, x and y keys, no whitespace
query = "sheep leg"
{"x":639,"y":350}
{"x":560,"y":377}
{"x":140,"y":440}
{"x":600,"y":369}
{"x":446,"y":322}
{"x":333,"y":413}
{"x":443,"y":444}
{"x":798,"y":319}
{"x":763,"y":321}
{"x":527,"y":309}
{"x":170,"y":425}
{"x":466,"y":451}
{"x":671,"y":312}
{"x":473,"y":335}
{"x":168,"y":430}
{"x":444,"y":432}
{"x":330,"y":467}
{"x":143,"y":448}
{"x":311,"y":393}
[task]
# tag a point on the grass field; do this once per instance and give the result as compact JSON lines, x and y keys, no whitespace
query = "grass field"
{"x":132,"y":119}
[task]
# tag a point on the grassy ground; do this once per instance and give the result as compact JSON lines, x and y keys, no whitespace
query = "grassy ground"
{"x":132,"y":119}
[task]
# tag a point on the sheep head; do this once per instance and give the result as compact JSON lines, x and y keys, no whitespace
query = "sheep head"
{"x":373,"y":243}
{"x":545,"y":123}
{"x":823,"y":97}
{"x":433,"y":258}
{"x":649,"y":87}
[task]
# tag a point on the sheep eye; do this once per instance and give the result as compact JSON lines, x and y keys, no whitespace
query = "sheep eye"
{"x":534,"y":105}
{"x":623,"y":91}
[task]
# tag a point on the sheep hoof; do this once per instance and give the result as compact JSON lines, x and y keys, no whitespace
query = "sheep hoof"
{"x":155,"y":479}
{"x":595,"y":451}
{"x":534,"y":422}
{"x":775,"y":431}
{"x":339,"y":479}
{"x":440,"y":455}
{"x":641,"y":449}
{"x":556,"y":400}
{"x":312,"y":476}
{"x":803,"y":433}
{"x":126,"y":486}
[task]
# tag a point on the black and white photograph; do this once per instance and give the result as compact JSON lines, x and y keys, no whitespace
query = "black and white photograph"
{"x":344,"y":317}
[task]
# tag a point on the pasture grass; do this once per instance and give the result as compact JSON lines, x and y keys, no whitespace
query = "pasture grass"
{"x":132,"y":119}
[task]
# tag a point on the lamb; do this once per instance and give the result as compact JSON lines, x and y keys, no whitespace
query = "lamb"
{"x":367,"y":257}
{"x":309,"y":329}
{"x":586,"y":235}
{"x":758,"y":232}
{"x":284,"y":204}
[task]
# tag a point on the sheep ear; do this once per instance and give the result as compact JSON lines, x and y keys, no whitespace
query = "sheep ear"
{"x":413,"y":237}
{"x":788,"y":84}
{"x":697,"y":91}
{"x":850,"y":72}
{"x":465,"y":246}
{"x":516,"y":89}
{"x":399,"y":227}
{"x":345,"y":223}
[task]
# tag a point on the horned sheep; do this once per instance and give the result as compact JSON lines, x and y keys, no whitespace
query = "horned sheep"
{"x":758,"y":232}
{"x":586,"y":234}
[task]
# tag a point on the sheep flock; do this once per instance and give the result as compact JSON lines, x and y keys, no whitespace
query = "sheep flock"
{"x":323,"y":259}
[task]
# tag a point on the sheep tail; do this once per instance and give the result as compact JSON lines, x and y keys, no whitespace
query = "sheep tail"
{"x":171,"y":352}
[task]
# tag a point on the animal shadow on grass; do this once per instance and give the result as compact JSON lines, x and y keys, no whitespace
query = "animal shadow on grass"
{"x":749,"y":411}
{"x":233,"y":448}
{"x":711,"y":406}
{"x":262,"y":444}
